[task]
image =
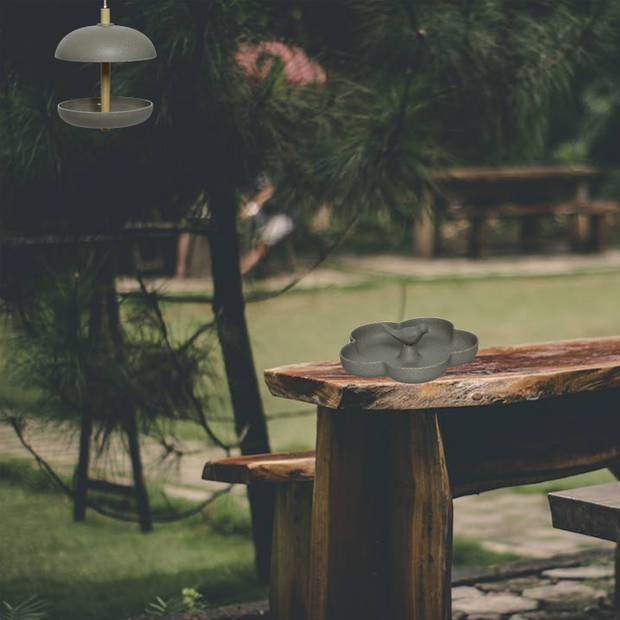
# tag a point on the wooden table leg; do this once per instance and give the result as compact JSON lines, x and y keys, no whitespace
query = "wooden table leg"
{"x":529,"y":238}
{"x":288,"y":586}
{"x":382,"y":518}
{"x":597,"y":241}
{"x":424,"y":229}
{"x":478,"y":237}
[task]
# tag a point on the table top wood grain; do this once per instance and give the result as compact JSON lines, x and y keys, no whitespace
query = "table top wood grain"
{"x":496,"y":375}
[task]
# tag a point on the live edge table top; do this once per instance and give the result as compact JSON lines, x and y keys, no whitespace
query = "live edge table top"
{"x":495,"y":375}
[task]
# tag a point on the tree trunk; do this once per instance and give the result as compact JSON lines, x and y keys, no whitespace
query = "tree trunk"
{"x":229,"y":309}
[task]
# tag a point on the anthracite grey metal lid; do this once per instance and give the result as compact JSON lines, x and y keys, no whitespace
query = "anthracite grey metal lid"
{"x":124,"y":112}
{"x":105,"y":43}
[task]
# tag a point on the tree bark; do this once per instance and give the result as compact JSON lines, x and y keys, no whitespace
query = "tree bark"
{"x":229,"y":310}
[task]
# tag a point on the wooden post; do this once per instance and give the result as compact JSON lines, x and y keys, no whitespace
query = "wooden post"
{"x":106,"y":71}
{"x":597,"y":241}
{"x":382,"y":518}
{"x":579,"y":221}
{"x":81,"y":471}
{"x":142,"y":498}
{"x":529,"y":234}
{"x":615,"y":470}
{"x":105,"y":86}
{"x":424,"y":228}
{"x":478,"y":233}
{"x":288,"y":586}
{"x":617,"y":577}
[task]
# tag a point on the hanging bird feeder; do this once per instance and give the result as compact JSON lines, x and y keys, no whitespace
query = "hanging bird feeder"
{"x":105,"y":43}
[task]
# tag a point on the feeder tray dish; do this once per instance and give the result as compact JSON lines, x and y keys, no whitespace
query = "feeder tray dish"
{"x":414,"y":351}
{"x":124,"y":112}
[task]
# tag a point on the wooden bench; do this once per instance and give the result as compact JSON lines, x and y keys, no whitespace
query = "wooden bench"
{"x":589,"y":235}
{"x":514,"y":415}
{"x":293,"y":476}
{"x":593,"y":511}
{"x":525,"y":193}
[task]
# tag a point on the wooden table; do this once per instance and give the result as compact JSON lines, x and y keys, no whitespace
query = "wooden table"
{"x":391,"y":456}
{"x":526,"y":193}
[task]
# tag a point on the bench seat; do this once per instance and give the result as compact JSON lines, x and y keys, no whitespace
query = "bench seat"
{"x":593,"y":511}
{"x":284,"y":467}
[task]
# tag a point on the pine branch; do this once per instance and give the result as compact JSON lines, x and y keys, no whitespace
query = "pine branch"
{"x":152,"y":299}
{"x":18,"y":426}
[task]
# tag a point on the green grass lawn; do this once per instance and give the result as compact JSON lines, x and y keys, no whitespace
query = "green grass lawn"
{"x":107,"y":570}
{"x":102,"y":569}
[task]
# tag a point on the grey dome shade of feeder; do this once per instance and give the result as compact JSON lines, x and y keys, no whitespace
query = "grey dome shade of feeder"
{"x":105,"y":43}
{"x":414,"y":351}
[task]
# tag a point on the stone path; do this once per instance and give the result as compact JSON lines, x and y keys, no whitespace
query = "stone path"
{"x":568,"y":587}
{"x":513,"y":266}
{"x":573,"y":587}
{"x":354,"y":270}
{"x":508,"y":522}
{"x":59,"y":447}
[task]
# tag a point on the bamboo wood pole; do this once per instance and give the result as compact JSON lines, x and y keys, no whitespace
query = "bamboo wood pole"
{"x":106,"y":70}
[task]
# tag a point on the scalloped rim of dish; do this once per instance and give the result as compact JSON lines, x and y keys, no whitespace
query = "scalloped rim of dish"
{"x":407,"y":374}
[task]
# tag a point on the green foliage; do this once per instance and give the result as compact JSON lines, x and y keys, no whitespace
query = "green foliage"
{"x":31,"y":608}
{"x":66,"y":348}
{"x":188,"y":600}
{"x":485,"y":73}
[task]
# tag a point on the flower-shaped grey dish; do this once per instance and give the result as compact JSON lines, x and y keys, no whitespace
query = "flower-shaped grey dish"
{"x":413,"y":351}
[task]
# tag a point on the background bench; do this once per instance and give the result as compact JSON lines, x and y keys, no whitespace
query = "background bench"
{"x":527,"y":194}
